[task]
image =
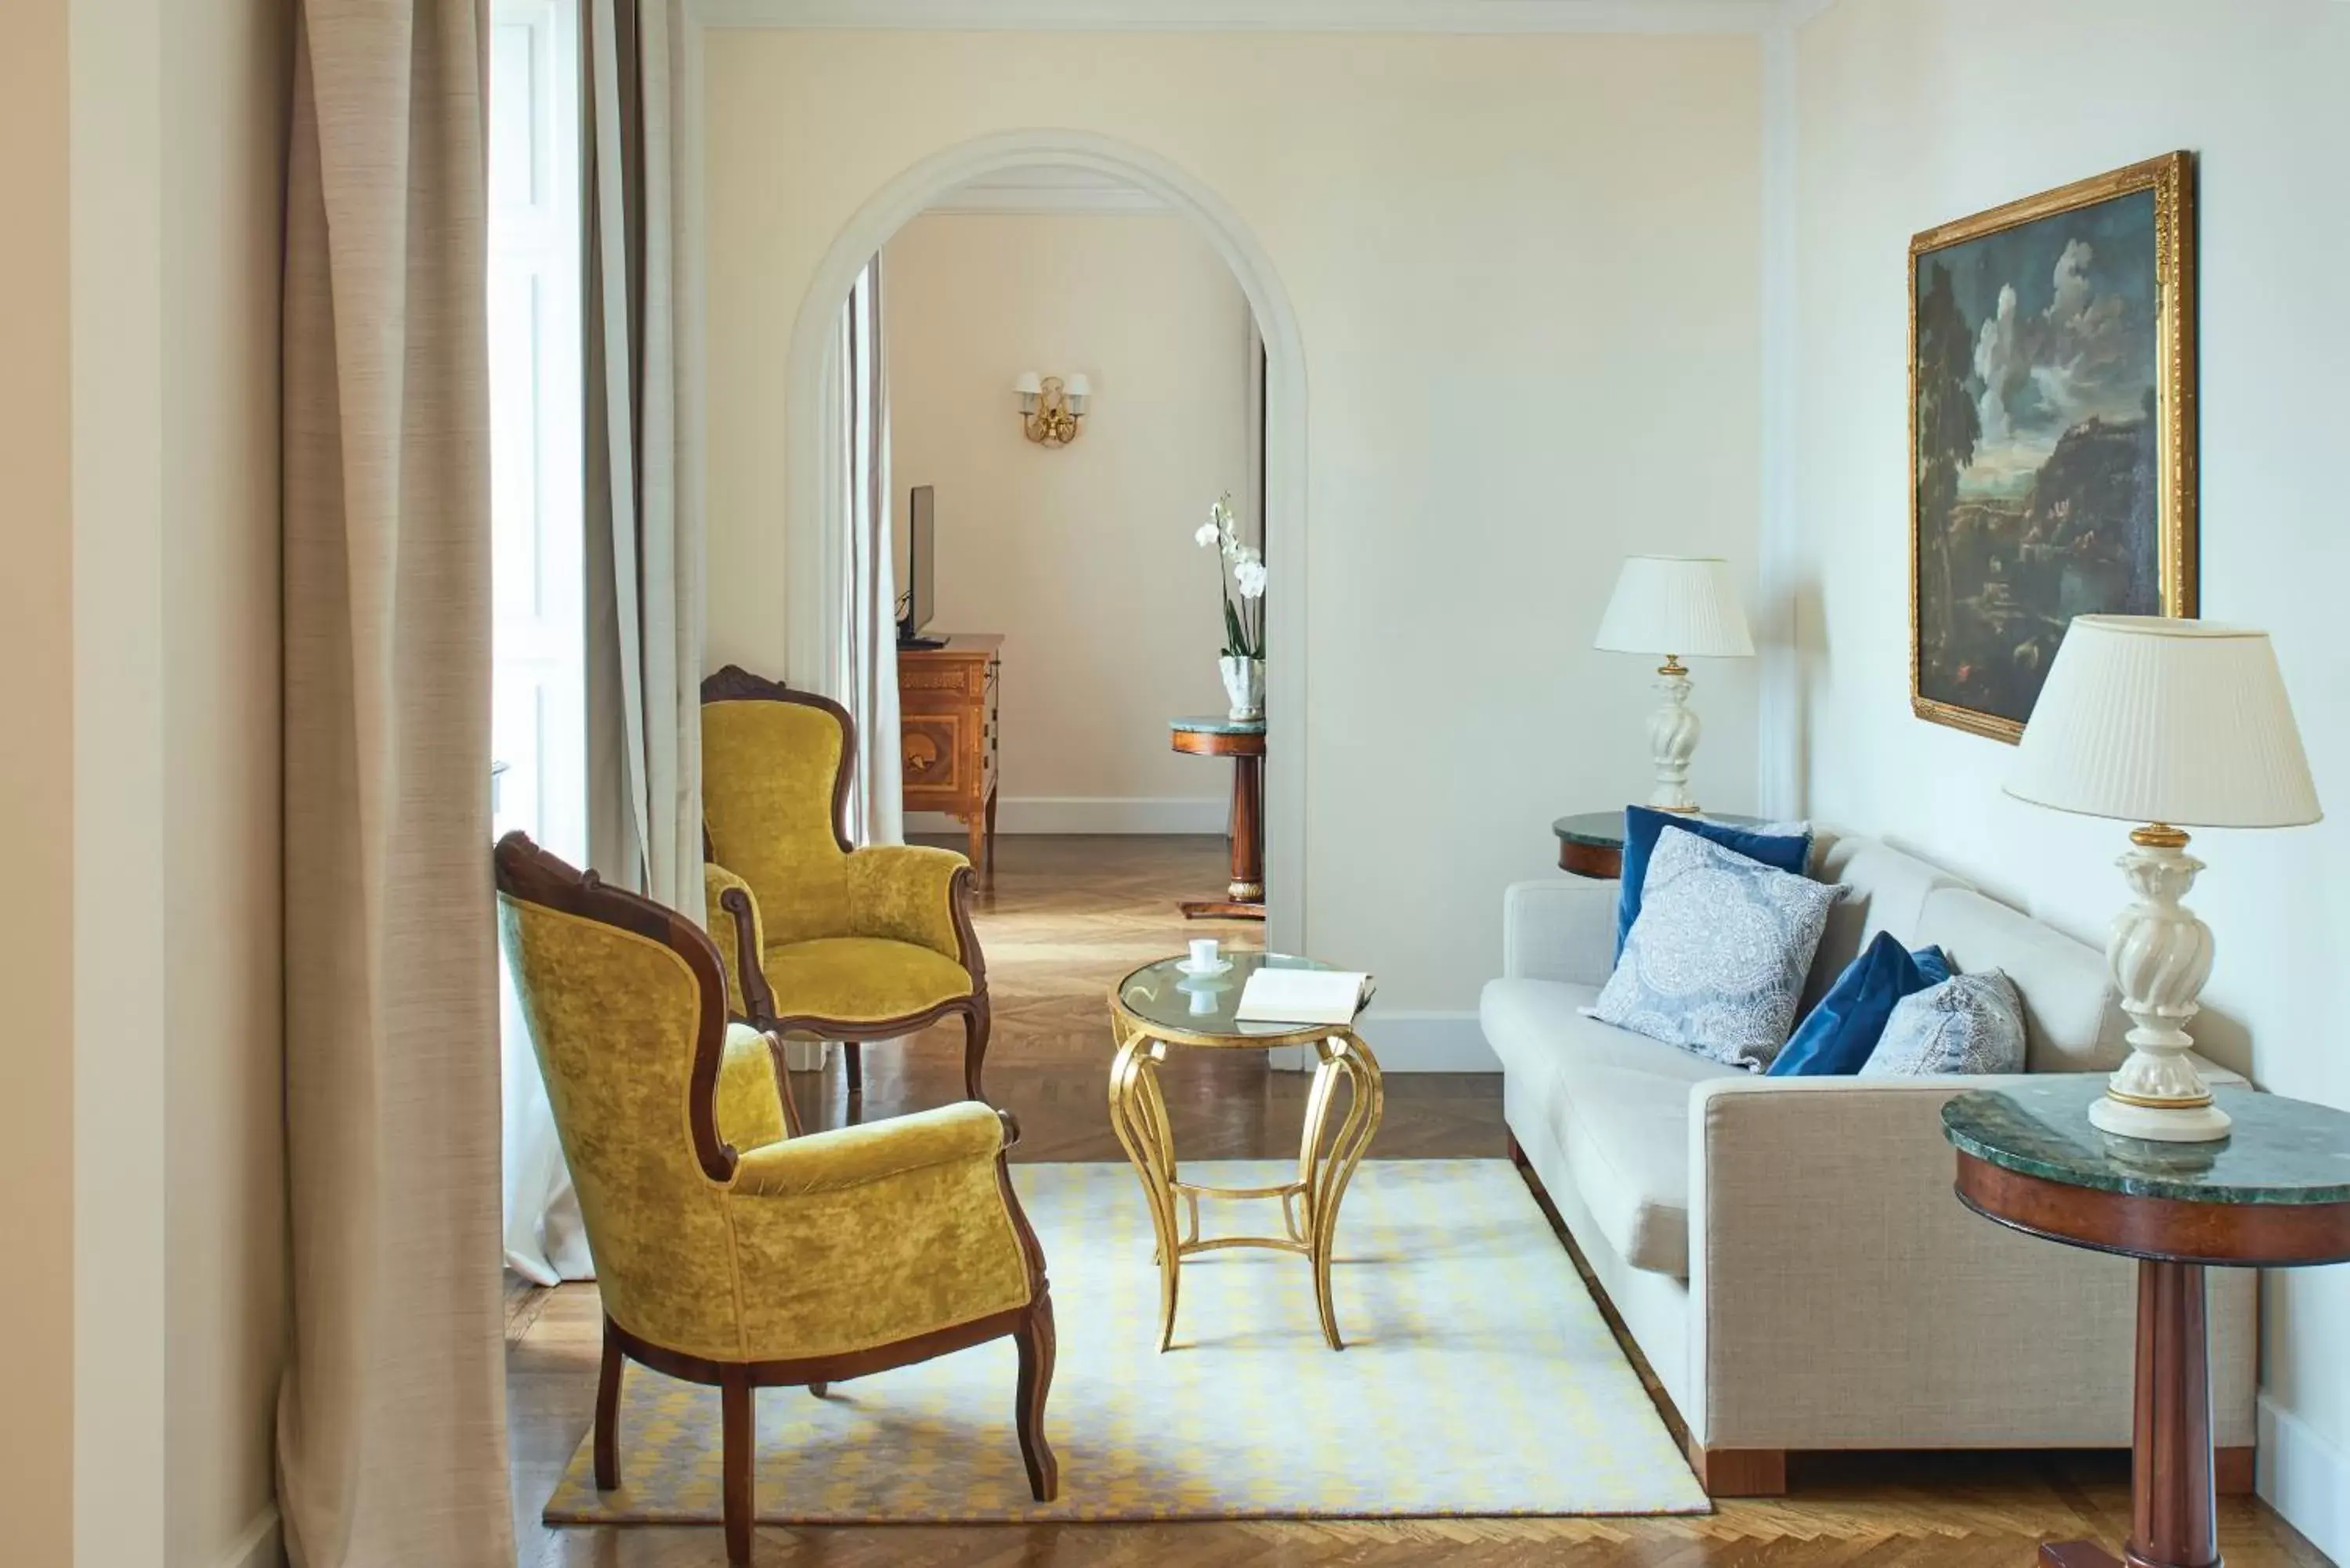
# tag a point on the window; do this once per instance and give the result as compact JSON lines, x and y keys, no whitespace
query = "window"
{"x":539,"y":725}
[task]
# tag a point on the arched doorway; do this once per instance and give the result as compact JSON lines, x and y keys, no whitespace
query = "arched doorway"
{"x":811,"y":514}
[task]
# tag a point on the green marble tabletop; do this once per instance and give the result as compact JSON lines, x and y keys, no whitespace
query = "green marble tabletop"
{"x":1160,"y":993}
{"x":2280,"y":1150}
{"x":1605,"y":829}
{"x":1216,"y":725}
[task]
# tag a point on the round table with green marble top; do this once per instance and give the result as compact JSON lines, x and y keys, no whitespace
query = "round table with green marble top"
{"x":2274,"y":1193}
{"x":1591,"y":843}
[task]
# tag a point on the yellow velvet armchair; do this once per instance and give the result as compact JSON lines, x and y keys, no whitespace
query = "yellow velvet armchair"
{"x":822,"y":940}
{"x":728,"y":1250}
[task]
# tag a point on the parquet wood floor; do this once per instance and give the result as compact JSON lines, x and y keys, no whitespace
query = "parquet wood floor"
{"x":1067,"y":917}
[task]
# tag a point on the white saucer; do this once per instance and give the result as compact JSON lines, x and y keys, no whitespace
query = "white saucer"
{"x":1222,"y":966}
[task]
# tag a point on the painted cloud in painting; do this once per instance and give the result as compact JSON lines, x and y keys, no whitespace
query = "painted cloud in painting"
{"x":2085,"y":353}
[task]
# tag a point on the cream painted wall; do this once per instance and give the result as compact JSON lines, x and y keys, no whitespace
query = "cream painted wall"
{"x":1082,"y":556}
{"x":1526,"y":271}
{"x":36,"y":994}
{"x":139,"y":1140}
{"x":224,"y":1259}
{"x":115,"y":138}
{"x":1912,"y":112}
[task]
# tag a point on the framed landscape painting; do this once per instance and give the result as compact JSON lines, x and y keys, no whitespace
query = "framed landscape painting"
{"x":2052,"y":419}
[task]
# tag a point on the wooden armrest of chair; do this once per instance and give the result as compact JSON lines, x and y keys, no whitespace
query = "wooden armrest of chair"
{"x":732,"y":918}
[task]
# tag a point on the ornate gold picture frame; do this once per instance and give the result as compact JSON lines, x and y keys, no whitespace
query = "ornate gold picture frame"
{"x":2051,"y":433}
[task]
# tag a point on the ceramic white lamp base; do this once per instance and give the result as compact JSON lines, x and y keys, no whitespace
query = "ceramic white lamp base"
{"x":2161,"y":955}
{"x":1672,"y":741}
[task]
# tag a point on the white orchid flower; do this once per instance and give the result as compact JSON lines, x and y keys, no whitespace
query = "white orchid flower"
{"x":1221,"y":523}
{"x":1207,"y":535}
{"x":1250,"y":576}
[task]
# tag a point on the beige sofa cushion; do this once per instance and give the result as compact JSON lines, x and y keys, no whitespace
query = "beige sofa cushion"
{"x":1888,"y":893}
{"x":1619,"y":1106}
{"x":2073,"y":1021}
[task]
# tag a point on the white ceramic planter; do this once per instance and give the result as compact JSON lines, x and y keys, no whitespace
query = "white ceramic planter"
{"x":1243,"y":686}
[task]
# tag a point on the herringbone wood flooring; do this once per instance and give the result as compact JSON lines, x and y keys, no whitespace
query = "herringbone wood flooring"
{"x":1068,"y":916}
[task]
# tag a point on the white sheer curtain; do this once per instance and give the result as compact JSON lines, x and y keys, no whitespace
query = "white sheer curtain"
{"x":644,"y":556}
{"x":862,"y":643}
{"x":869,"y":618}
{"x":644,"y":535}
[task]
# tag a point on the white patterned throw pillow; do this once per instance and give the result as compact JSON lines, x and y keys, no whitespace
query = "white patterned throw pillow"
{"x":1716,"y":961}
{"x":1968,"y":1024}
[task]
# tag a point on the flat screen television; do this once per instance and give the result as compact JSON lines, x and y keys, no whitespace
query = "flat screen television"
{"x":916,"y":604}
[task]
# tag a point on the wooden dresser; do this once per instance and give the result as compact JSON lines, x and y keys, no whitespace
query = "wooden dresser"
{"x":946,"y":707}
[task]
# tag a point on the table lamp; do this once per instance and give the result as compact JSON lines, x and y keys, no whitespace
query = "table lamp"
{"x":1674,"y":604}
{"x":2172,"y":724}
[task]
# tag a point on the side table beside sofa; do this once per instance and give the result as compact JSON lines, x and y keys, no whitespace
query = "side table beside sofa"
{"x":2275,"y":1193}
{"x":1785,"y":1252}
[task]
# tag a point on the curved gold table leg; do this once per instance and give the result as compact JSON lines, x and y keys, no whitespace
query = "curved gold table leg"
{"x":1325,"y":1175}
{"x":1138,"y":1114}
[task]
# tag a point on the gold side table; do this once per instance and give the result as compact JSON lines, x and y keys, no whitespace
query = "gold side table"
{"x":1159,"y":1007}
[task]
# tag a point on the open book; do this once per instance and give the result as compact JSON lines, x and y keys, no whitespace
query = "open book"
{"x":1329,"y":996}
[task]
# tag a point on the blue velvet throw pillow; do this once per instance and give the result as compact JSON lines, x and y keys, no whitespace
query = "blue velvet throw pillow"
{"x":1842,"y":1028}
{"x":1789,"y":852}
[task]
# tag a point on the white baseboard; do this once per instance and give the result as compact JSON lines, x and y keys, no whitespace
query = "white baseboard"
{"x":1428,"y":1041}
{"x":1090,"y":814}
{"x":1413,"y":1043}
{"x":2304,"y":1478}
{"x":261,"y":1546}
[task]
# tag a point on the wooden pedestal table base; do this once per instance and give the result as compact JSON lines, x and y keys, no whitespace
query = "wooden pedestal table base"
{"x":1309,"y":1205}
{"x":2273,"y":1194}
{"x":1243,"y":740}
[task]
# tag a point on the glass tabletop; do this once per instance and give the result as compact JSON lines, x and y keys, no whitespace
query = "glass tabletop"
{"x":2280,"y":1150}
{"x":1164,"y":997}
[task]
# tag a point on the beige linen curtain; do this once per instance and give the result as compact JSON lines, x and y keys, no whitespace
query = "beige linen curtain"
{"x":645,"y":591}
{"x":391,"y":1421}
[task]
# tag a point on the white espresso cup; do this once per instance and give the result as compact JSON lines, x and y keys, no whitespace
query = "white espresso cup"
{"x":1203,"y":952}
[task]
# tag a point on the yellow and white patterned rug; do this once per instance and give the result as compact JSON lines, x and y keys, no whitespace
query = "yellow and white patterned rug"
{"x":1478,"y":1378}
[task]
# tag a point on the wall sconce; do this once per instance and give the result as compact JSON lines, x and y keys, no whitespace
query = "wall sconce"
{"x":1052,"y":410}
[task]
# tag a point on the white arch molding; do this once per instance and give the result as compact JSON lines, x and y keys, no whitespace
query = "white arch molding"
{"x":811,"y":516}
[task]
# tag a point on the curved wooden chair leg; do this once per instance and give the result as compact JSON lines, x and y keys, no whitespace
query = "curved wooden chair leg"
{"x":608,"y":1417}
{"x":852,"y":1055}
{"x":975,"y":1026}
{"x":738,"y":1445}
{"x":1037,"y":1346}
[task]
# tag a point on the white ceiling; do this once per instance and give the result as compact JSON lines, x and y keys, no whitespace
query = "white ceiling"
{"x":1267,"y":15}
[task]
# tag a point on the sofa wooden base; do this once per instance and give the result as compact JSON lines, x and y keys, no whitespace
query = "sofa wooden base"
{"x":1740,"y":1472}
{"x":1758,"y":1472}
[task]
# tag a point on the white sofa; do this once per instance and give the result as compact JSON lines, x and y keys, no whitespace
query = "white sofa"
{"x":1787,"y":1252}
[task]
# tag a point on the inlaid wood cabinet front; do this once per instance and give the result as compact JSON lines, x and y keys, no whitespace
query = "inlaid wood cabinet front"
{"x":947,"y":722}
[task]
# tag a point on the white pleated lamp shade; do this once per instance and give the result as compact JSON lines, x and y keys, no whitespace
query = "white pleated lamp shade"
{"x":1675,"y":605}
{"x":2145,"y":719}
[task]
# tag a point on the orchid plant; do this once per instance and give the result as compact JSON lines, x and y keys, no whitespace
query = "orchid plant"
{"x":1243,"y":614}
